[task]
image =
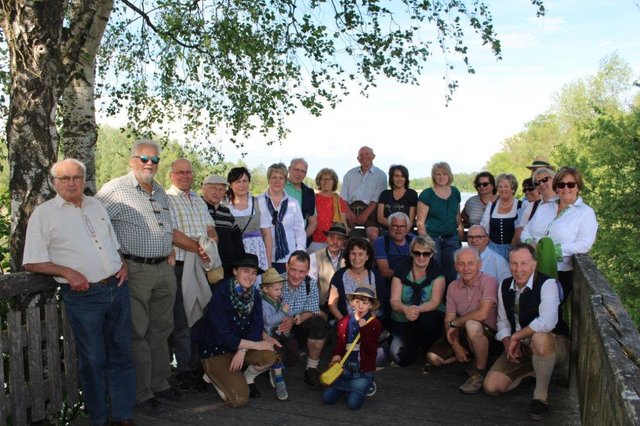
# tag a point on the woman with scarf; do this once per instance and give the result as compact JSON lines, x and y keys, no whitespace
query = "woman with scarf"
{"x":281,"y":220}
{"x":231,"y":335}
{"x":417,"y":290}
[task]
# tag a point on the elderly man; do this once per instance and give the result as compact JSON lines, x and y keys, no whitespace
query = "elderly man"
{"x":469,"y":321}
{"x":392,"y":249}
{"x":71,"y":238}
{"x":325,"y":262}
{"x":300,"y":192}
{"x":534,"y":336}
{"x":492,"y":263}
{"x":361,"y":188}
{"x":139,"y":210}
{"x":191,"y":220}
{"x":230,"y":244}
{"x":300,"y":292}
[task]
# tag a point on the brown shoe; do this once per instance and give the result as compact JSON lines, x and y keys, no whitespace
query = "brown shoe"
{"x":473,"y":384}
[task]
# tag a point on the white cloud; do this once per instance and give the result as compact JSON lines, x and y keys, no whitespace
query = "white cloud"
{"x":518,"y":41}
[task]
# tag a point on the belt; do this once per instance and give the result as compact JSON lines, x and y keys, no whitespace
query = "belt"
{"x":107,"y":280}
{"x":179,"y":262}
{"x":146,"y":260}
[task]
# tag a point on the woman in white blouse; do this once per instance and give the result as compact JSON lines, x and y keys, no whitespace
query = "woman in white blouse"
{"x":568,"y":221}
{"x":281,"y":220}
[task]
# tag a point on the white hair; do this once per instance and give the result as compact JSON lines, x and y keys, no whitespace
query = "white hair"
{"x":54,"y":168}
{"x":144,"y":142}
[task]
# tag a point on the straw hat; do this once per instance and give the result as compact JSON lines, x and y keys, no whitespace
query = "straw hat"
{"x":271,"y":276}
{"x":366,"y":292}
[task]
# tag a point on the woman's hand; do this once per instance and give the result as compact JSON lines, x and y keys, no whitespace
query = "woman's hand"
{"x":411,"y":313}
{"x":237,"y":361}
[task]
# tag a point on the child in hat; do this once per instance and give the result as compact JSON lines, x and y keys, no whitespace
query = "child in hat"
{"x":357,"y":379}
{"x":274,"y":311}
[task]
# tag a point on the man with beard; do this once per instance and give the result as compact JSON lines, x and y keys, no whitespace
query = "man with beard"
{"x":139,"y":211}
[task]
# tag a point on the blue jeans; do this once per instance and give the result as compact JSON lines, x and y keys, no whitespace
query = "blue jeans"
{"x":445,"y":248}
{"x":101,"y":322}
{"x":354,"y":384}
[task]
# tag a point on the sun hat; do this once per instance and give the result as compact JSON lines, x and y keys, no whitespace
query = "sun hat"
{"x":271,"y":276}
{"x":365,"y":291}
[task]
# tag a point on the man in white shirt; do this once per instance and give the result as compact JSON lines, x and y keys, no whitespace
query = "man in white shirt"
{"x":71,"y":238}
{"x":492,"y":263}
{"x":534,"y":336}
{"x":361,"y":188}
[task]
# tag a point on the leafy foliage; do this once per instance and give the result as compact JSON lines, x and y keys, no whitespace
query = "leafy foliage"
{"x":240,"y":66}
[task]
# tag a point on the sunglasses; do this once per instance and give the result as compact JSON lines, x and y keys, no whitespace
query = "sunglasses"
{"x":570,"y":185}
{"x":145,"y":159}
{"x":482,"y":184}
{"x":527,"y":188}
{"x":543,"y":180}
{"x":425,"y":254}
{"x":475,"y":237}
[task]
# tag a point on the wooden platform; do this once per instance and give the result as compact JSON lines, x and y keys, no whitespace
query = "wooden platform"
{"x":405,"y":396}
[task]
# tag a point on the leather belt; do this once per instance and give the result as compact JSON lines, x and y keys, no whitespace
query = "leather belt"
{"x":145,"y":260}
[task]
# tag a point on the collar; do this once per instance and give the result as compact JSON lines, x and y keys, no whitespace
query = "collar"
{"x":285,"y":196}
{"x":338,"y":256}
{"x":290,"y":185}
{"x":59,"y":201}
{"x":177,"y":191}
{"x":529,"y":283}
{"x":368,"y":171}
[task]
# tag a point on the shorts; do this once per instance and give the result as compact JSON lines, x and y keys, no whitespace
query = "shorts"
{"x":443,"y":349}
{"x":358,"y":207}
{"x":314,"y":328}
{"x":525,"y":368}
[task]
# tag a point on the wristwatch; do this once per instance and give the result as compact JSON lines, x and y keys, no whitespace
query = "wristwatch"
{"x":451,"y":324}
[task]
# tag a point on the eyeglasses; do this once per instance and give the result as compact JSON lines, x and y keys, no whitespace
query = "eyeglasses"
{"x":300,"y":170}
{"x":543,"y":180}
{"x":145,"y":159}
{"x":569,"y":185}
{"x":425,"y":254}
{"x":482,"y":184}
{"x":527,"y":188}
{"x":67,"y":179}
{"x":475,"y":237}
{"x":324,"y":179}
{"x":397,"y":226}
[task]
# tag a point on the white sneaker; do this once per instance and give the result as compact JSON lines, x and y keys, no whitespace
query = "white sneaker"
{"x":272,"y":378}
{"x":281,"y":391}
{"x":372,"y":389}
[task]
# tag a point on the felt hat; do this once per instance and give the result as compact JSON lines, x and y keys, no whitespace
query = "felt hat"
{"x":215,"y":179}
{"x":249,"y":260}
{"x":365,"y":291}
{"x":337,"y":228}
{"x":538,"y":163}
{"x":271,"y":276}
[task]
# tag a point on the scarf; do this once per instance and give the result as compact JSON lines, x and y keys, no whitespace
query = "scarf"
{"x":241,"y":299}
{"x":282,"y":248}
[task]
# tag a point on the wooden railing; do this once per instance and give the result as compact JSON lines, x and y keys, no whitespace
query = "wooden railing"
{"x":605,"y":350}
{"x":38,"y":368}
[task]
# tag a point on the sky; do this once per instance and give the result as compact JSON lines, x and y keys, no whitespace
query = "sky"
{"x":411,"y":125}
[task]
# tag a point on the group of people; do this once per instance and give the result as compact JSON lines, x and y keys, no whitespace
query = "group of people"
{"x":137,"y":267}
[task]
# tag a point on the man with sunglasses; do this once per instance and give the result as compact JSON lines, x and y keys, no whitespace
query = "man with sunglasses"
{"x":139,"y":211}
{"x":71,"y":238}
{"x":469,"y":321}
{"x":492,"y":263}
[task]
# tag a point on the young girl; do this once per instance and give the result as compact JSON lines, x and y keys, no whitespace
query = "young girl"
{"x":357,"y":379}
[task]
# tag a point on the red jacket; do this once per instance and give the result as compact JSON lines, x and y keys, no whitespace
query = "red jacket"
{"x":369,"y":335}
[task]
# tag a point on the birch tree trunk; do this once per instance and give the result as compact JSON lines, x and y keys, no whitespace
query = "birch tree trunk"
{"x":32,"y":31}
{"x":79,"y":132}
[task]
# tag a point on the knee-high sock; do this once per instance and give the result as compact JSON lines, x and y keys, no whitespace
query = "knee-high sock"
{"x":250,"y":374}
{"x":543,"y":367}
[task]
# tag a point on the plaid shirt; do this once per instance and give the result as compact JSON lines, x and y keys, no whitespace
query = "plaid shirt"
{"x":142,"y":222}
{"x":298,"y":300}
{"x":190,"y":215}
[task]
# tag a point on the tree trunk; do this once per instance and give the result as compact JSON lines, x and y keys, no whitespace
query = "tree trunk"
{"x":79,"y":130}
{"x":32,"y":31}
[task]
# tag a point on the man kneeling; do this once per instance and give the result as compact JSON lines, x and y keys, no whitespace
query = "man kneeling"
{"x":470,"y":319}
{"x":530,"y":328}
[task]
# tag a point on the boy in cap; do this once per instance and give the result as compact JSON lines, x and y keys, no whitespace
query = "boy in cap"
{"x":357,"y":379}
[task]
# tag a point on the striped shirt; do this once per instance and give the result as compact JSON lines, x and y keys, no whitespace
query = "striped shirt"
{"x":190,"y":215}
{"x":298,"y":299}
{"x":142,"y":222}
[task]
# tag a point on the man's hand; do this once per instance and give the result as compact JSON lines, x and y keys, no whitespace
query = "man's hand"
{"x":203,"y":254}
{"x":514,"y":350}
{"x":122,"y":274}
{"x":462,"y":355}
{"x":77,"y":281}
{"x":272,"y":341}
{"x":351,"y":218}
{"x":286,"y":325}
{"x":171,"y":259}
{"x":452,"y":335}
{"x":297,"y":319}
{"x":362,"y":218}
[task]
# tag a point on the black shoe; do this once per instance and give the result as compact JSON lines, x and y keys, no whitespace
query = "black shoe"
{"x":539,"y":410}
{"x":171,"y":394}
{"x":312,"y":378}
{"x":253,"y":391}
{"x":186,"y":381}
{"x":149,"y":407}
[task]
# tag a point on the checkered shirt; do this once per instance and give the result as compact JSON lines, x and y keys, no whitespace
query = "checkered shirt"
{"x":298,"y":300}
{"x":190,"y":215}
{"x":142,"y":223}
